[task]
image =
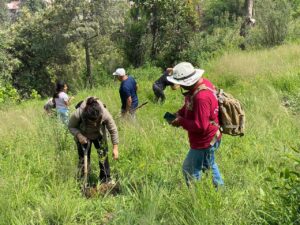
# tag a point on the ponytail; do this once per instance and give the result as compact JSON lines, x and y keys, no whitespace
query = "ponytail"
{"x":92,"y":110}
{"x":59,"y":88}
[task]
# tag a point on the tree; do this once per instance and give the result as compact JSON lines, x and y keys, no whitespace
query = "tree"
{"x":93,"y":20}
{"x":7,"y":65}
{"x":34,"y":5}
{"x":249,"y":21}
{"x":3,"y":12}
{"x":249,"y":8}
{"x":86,"y":28}
{"x":39,"y":43}
{"x":48,"y":41}
{"x":166,"y":26}
{"x":134,"y":39}
{"x":273,"y":18}
{"x":218,"y":14}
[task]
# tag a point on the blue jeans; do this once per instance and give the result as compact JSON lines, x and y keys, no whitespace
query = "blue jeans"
{"x":198,"y":160}
{"x":63,"y":115}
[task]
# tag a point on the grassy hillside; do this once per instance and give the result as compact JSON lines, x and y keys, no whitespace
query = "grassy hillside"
{"x":38,"y":158}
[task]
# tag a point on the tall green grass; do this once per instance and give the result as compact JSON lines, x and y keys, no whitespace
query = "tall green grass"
{"x":38,"y":157}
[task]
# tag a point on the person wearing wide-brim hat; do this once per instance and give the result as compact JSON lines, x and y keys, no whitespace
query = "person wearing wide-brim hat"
{"x":199,"y":116}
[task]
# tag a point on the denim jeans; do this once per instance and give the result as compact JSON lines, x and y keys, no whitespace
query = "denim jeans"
{"x":198,"y":160}
{"x":63,"y":115}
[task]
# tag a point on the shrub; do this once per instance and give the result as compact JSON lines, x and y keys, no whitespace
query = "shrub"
{"x":294,"y":30}
{"x":281,"y":204}
{"x":101,"y":76}
{"x":273,"y":17}
{"x":146,"y":73}
{"x":8,"y":94}
{"x":34,"y":94}
{"x":204,"y":47}
{"x":135,"y":42}
{"x":221,"y":13}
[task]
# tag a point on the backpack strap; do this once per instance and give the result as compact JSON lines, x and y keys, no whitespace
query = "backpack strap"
{"x":191,"y":97}
{"x":204,"y":87}
{"x":199,"y":88}
{"x":215,"y":92}
{"x":190,"y":107}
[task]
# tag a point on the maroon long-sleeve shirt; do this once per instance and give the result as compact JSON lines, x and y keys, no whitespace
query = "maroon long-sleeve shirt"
{"x":197,"y":121}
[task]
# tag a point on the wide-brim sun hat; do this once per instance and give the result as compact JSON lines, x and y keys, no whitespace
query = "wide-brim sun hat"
{"x":120,"y":72}
{"x":185,"y":74}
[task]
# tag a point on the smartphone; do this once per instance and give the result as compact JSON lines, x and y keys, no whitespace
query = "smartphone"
{"x":169,"y":117}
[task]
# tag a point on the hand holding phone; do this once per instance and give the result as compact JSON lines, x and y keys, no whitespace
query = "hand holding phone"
{"x":169,"y":117}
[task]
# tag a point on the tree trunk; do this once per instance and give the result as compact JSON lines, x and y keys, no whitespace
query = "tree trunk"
{"x":89,"y":79}
{"x":249,"y":8}
{"x":249,"y":21}
{"x":199,"y":11}
{"x":154,"y":32}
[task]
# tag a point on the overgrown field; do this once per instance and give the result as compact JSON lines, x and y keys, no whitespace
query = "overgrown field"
{"x":38,"y":158}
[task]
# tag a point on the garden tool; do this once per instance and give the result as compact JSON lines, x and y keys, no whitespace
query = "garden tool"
{"x":85,"y":186}
{"x":140,"y":106}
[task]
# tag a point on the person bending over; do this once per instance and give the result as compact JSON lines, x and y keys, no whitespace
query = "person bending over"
{"x":89,"y":123}
{"x":160,"y":85}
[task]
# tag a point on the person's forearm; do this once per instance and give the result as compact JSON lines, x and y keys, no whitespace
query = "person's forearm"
{"x":112,"y":129}
{"x":115,"y":152}
{"x":128,"y":104}
{"x":69,"y":101}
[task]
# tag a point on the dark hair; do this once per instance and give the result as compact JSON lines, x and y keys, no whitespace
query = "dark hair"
{"x":92,"y":110}
{"x":59,"y":87}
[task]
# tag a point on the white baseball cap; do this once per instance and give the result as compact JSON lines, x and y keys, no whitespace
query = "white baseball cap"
{"x":185,"y":74}
{"x":119,"y":72}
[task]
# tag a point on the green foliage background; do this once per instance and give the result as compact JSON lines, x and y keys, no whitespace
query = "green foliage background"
{"x":44,"y":43}
{"x":38,"y":158}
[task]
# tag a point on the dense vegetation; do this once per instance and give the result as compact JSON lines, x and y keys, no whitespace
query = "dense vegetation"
{"x":82,"y":42}
{"x":261,"y":170}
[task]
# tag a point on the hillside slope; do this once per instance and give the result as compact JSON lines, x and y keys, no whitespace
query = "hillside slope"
{"x":38,"y":159}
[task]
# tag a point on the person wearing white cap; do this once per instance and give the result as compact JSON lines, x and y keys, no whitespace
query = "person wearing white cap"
{"x":128,"y":92}
{"x":199,"y":116}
